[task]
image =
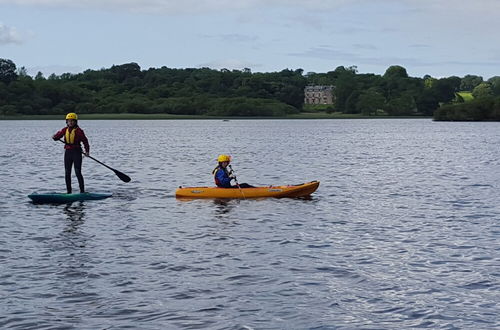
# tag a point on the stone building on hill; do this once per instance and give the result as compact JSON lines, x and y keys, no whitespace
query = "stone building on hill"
{"x":319,"y":94}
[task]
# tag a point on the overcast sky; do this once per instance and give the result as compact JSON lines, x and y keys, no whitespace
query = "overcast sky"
{"x":436,"y":37}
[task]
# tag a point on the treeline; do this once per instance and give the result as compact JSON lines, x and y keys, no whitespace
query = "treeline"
{"x":482,"y":108}
{"x":395,"y":93}
{"x":129,"y":89}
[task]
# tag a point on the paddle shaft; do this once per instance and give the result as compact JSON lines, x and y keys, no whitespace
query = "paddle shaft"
{"x":122,"y":176}
{"x":112,"y":169}
{"x":237,"y":183}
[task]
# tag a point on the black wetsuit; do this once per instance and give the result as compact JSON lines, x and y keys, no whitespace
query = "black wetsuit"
{"x":73,"y":154}
{"x":73,"y":157}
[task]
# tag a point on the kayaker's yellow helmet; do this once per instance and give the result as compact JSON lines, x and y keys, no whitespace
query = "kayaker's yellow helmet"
{"x":72,"y":115}
{"x":224,"y":158}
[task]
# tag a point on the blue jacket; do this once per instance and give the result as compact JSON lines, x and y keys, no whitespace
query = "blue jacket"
{"x":222,"y":178}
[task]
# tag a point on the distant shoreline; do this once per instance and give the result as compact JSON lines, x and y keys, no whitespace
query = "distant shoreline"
{"x":160,"y":116}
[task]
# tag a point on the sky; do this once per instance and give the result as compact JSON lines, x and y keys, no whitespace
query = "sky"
{"x":440,"y":38}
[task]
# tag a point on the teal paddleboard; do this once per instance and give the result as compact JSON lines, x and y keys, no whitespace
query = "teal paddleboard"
{"x":66,"y":198}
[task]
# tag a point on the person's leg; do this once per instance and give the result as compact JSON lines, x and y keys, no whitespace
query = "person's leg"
{"x":77,"y":157}
{"x":68,"y":163}
{"x":245,"y":185}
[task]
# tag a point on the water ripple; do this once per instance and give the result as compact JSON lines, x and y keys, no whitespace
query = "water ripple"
{"x":403,"y":232}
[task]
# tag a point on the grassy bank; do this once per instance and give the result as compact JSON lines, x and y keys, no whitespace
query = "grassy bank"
{"x":339,"y":115}
{"x":129,"y":116}
{"x":105,"y":116}
{"x":466,"y":96}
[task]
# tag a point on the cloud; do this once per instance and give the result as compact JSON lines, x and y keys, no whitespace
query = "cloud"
{"x":138,"y":6}
{"x":421,"y":46}
{"x":326,"y":53}
{"x":175,"y":6}
{"x":203,"y":5}
{"x":9,"y":35}
{"x":232,"y":38}
{"x":353,"y":30}
{"x":471,"y":63}
{"x":466,"y":6}
{"x":365,"y":46}
{"x":230,"y":64}
{"x":309,"y":21}
{"x":56,"y":69}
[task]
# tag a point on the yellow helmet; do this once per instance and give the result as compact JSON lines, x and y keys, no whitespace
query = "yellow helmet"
{"x":72,"y":115}
{"x":224,"y":158}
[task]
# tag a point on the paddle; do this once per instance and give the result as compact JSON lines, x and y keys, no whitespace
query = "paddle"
{"x":236,"y":180}
{"x":122,"y":176}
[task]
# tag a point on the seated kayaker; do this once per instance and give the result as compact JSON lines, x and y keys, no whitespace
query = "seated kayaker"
{"x":223,"y":177}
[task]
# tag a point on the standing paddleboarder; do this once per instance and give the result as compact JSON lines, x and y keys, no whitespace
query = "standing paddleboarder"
{"x":73,"y":137}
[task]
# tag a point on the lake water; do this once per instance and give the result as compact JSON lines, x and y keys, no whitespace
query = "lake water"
{"x":403,"y":231}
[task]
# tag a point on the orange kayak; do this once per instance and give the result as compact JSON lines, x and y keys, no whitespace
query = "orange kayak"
{"x":299,"y":190}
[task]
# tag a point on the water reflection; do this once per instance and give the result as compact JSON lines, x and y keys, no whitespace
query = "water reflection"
{"x":75,"y":214}
{"x":223,"y":206}
{"x":75,"y":264}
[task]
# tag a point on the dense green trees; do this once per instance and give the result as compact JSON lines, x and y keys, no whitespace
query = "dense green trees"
{"x":469,"y":82}
{"x":495,"y":85}
{"x":370,"y":101}
{"x":482,"y":90}
{"x":203,"y":91}
{"x":7,"y":71}
{"x":484,"y":108}
{"x":127,"y":88}
{"x":394,"y":93}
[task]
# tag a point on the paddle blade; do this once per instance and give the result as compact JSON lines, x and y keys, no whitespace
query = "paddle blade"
{"x":122,"y":176}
